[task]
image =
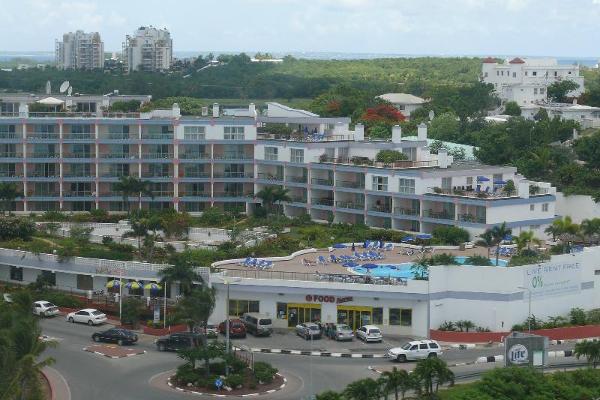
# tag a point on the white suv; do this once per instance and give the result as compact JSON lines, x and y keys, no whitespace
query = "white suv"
{"x":415,"y":350}
{"x":44,"y":309}
{"x":369,"y":333}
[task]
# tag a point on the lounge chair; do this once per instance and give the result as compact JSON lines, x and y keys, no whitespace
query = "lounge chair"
{"x":321,"y":260}
{"x":308,"y":263}
{"x":409,"y":252}
{"x":388,"y":246}
{"x":334,"y":259}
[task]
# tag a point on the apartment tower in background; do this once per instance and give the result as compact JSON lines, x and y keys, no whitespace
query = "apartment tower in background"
{"x":80,"y":50}
{"x":149,"y":49}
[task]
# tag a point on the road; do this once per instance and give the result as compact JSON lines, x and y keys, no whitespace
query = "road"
{"x":93,"y":377}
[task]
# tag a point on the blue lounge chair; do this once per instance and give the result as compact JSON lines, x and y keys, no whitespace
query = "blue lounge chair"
{"x":388,"y":246}
{"x":321,"y":260}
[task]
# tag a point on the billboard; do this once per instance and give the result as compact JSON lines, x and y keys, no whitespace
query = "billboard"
{"x":553,"y":279}
{"x":522,"y":349}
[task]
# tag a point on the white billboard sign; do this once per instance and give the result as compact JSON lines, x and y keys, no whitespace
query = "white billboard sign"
{"x":553,"y":279}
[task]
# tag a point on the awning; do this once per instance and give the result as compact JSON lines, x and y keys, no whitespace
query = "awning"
{"x":482,"y":179}
{"x":339,"y":246}
{"x":408,"y":239}
{"x":424,"y":236}
{"x":50,"y":101}
{"x":499,"y":182}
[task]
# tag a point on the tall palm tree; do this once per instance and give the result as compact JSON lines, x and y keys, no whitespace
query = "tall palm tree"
{"x":590,"y":228}
{"x":363,"y":389}
{"x":397,"y":381}
{"x":525,"y":239}
{"x":196,"y":306}
{"x":139,"y":230}
{"x":281,"y":195}
{"x":590,"y":349}
{"x":267,"y":195}
{"x":499,"y":232}
{"x":131,"y":186}
{"x":487,"y":240}
{"x":8,"y":194}
{"x":430,"y":373}
{"x":181,"y":272}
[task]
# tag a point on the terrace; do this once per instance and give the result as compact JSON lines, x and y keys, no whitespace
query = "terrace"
{"x":367,"y":162}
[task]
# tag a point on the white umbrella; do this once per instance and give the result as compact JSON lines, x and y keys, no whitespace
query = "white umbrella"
{"x":50,"y":101}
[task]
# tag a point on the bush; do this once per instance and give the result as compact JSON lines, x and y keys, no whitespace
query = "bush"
{"x":478,"y":260}
{"x":132,"y":310}
{"x":16,"y":228}
{"x":450,"y":235}
{"x":577,"y":316}
{"x":234,"y":380}
{"x":107,"y":240}
{"x":81,"y":234}
{"x":186,"y":374}
{"x":390,"y":156}
{"x":447,"y":326}
{"x":264,"y":372}
{"x":443,"y":259}
{"x":61,"y":299}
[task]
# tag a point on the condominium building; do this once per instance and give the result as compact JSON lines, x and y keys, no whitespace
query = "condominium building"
{"x":80,"y":50}
{"x":148,"y":49}
{"x":525,"y":81}
{"x":72,"y":161}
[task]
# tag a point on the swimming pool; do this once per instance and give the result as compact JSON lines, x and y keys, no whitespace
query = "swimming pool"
{"x":403,"y":270}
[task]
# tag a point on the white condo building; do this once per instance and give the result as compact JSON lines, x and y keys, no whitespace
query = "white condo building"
{"x":149,"y":49}
{"x":80,"y":50}
{"x":525,"y":81}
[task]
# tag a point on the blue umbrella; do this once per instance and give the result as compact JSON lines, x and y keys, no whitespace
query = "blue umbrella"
{"x":499,"y":182}
{"x":369,"y":266}
{"x":508,"y":238}
{"x":424,"y":236}
{"x":339,"y":246}
{"x":408,"y":239}
{"x":366,"y":244}
{"x":482,"y":179}
{"x":381,"y":244}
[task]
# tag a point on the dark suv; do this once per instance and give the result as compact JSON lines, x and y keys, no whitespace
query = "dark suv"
{"x":179,"y":341}
{"x":237,"y":329}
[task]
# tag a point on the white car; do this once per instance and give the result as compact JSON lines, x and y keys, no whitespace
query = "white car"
{"x":45,"y":309}
{"x":88,"y":316}
{"x":415,"y":350}
{"x":369,"y":333}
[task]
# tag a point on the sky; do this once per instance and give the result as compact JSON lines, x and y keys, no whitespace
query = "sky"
{"x":427,"y":27}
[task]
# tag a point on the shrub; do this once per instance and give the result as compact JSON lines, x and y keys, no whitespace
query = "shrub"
{"x":443,"y":259}
{"x":16,"y":228}
{"x":187,"y":374}
{"x":450,"y":235}
{"x":61,"y":299}
{"x":577,"y":316}
{"x":107,"y":240}
{"x":478,"y":260}
{"x":447,"y":326}
{"x":132,"y":310}
{"x":234,"y":380}
{"x":81,"y":234}
{"x":264,"y":372}
{"x":390,"y":156}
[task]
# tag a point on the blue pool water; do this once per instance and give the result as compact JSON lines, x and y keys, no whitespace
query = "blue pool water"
{"x":403,"y":270}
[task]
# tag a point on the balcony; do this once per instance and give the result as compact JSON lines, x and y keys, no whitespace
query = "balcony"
{"x":42,"y":136}
{"x":488,"y":193}
{"x":322,"y":182}
{"x":323,"y":202}
{"x":115,"y":174}
{"x":367,"y":162}
{"x":80,"y":136}
{"x":193,"y":193}
{"x":10,"y":155}
{"x":471,"y":218}
{"x":196,"y":174}
{"x":9,"y":135}
{"x":78,"y":155}
{"x":156,"y":175}
{"x":296,"y":179}
{"x":44,"y":155}
{"x":438,"y":215}
{"x":42,"y":174}
{"x":86,"y":175}
{"x":298,"y":199}
{"x":157,"y":156}
{"x":269,"y":177}
{"x":194,"y":156}
{"x":233,"y":194}
{"x":406,"y":211}
{"x":233,"y":156}
{"x":233,"y":175}
{"x":157,"y":136}
{"x":43,"y":194}
{"x":125,"y":156}
{"x":118,"y":136}
{"x":381,"y":209}
{"x":350,"y":184}
{"x":162,"y":193}
{"x":350,"y":204}
{"x":82,"y":193}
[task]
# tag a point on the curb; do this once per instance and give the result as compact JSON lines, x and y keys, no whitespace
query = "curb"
{"x":312,"y":353}
{"x":560,"y":353}
{"x":227,"y":395}
{"x":50,"y":385}
{"x":114,"y":357}
{"x":489,"y":359}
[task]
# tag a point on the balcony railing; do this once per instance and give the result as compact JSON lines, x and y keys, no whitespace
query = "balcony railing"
{"x":115,"y":174}
{"x":269,"y":177}
{"x":350,"y":184}
{"x":323,"y":202}
{"x":233,"y":194}
{"x":156,"y":175}
{"x":10,"y":154}
{"x":78,"y":155}
{"x":78,"y":175}
{"x":322,"y":182}
{"x":9,"y":135}
{"x":43,"y":194}
{"x":297,"y":179}
{"x":193,"y":193}
{"x":233,"y":156}
{"x":118,"y":136}
{"x":125,"y":156}
{"x":80,"y":136}
{"x":196,"y":174}
{"x":42,"y":136}
{"x":162,"y":193}
{"x":438,"y":215}
{"x":42,"y":174}
{"x":471,"y":218}
{"x":298,"y":199}
{"x":83,"y":193}
{"x":350,"y":204}
{"x":405,"y":211}
{"x":160,"y":136}
{"x":366,"y":162}
{"x":194,"y":156}
{"x":156,"y":156}
{"x":44,"y":155}
{"x":233,"y":174}
{"x":381,"y":209}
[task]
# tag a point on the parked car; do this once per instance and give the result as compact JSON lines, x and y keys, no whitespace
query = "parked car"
{"x":88,"y":316}
{"x":415,"y":350}
{"x":45,"y":309}
{"x":179,"y":341}
{"x":308,"y":330}
{"x":237,"y":329}
{"x":211,"y":330}
{"x":116,"y":335}
{"x":369,"y":333}
{"x":340,"y":332}
{"x":257,"y":324}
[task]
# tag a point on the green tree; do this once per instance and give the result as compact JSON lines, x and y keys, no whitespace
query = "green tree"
{"x":281,"y":195}
{"x":525,"y":239}
{"x":329,"y":395}
{"x":398,"y":382}
{"x":430,"y":374}
{"x":196,"y":306}
{"x":559,"y":90}
{"x":590,"y":229}
{"x":209,"y":351}
{"x":364,"y":389}
{"x":587,"y":149}
{"x":132,"y":311}
{"x":267,"y":195}
{"x":420,"y":269}
{"x":181,"y":271}
{"x":380,"y":131}
{"x":590,"y":349}
{"x":139,"y":230}
{"x":390,"y":156}
{"x":499,"y":232}
{"x":487,"y":240}
{"x":131,"y":186}
{"x":8,"y":193}
{"x":509,"y":188}
{"x":445,"y":126}
{"x":512,"y":108}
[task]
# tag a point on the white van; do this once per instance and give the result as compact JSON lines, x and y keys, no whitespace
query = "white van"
{"x":257,"y":324}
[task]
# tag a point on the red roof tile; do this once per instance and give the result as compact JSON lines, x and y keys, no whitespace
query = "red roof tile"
{"x":516,"y":60}
{"x":489,"y":60}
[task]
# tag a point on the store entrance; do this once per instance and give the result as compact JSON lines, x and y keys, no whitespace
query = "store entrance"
{"x":300,"y":313}
{"x":354,"y":316}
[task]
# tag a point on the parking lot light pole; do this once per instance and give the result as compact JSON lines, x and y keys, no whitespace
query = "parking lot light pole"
{"x":529,"y":308}
{"x":227,"y":282}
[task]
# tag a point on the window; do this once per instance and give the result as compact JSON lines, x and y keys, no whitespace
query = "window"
{"x":532,"y":207}
{"x":406,"y":186}
{"x":282,"y":310}
{"x":400,"y":316}
{"x":81,"y":129}
{"x":447,"y":183}
{"x":534,"y":73}
{"x":233,"y":133}
{"x":49,"y":277}
{"x":497,"y":73}
{"x":534,"y":227}
{"x":555,"y":73}
{"x":380,"y":183}
{"x":377,"y":316}
{"x":85,"y":282}
{"x":545,"y":207}
{"x":297,"y":156}
{"x":535,"y":91}
{"x":469,"y":181}
{"x":514,"y":74}
{"x":542,"y":90}
{"x":16,"y":273}
{"x":194,"y":132}
{"x":118,"y":129}
{"x":271,"y":153}
{"x":238,"y":307}
{"x":423,"y":346}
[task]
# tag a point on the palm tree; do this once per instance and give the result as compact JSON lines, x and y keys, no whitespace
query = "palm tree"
{"x":267,"y":195}
{"x":397,"y":381}
{"x":181,"y":272}
{"x":129,"y":186}
{"x":196,"y":306}
{"x":590,"y":349}
{"x":499,"y":232}
{"x":8,"y":194}
{"x":281,"y":195}
{"x":430,"y":373}
{"x":590,"y":228}
{"x":363,"y":389}
{"x":420,"y":269}
{"x":329,"y":395}
{"x":525,"y":239}
{"x":487,"y":240}
{"x":139,"y":230}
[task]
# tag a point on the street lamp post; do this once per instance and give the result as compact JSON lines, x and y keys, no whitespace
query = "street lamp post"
{"x":428,"y":310}
{"x":528,"y":308}
{"x":227,"y":282}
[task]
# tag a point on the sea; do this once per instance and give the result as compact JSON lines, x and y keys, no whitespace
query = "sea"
{"x":48,"y":56}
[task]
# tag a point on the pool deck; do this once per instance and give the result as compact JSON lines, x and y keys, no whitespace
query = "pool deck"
{"x":394,"y":256}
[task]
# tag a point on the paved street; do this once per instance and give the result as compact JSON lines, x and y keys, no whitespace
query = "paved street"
{"x":91,"y":376}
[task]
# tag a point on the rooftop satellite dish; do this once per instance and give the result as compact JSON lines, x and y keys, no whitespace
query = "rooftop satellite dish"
{"x":70,"y":90}
{"x":64,"y":86}
{"x":48,"y":87}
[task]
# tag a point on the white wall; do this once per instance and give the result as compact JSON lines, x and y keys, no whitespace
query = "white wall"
{"x":577,"y":207}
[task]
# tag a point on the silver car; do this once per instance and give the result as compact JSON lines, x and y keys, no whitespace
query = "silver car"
{"x":308,"y":330}
{"x":341,"y":332}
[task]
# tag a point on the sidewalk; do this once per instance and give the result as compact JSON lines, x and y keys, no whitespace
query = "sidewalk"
{"x":58,"y":384}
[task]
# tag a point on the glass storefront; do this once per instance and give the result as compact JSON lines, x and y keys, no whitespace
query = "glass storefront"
{"x":298,"y":313}
{"x":357,"y":316}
